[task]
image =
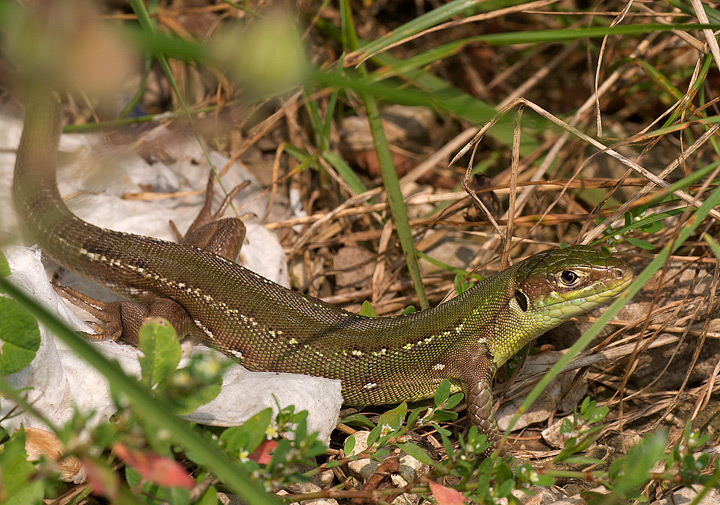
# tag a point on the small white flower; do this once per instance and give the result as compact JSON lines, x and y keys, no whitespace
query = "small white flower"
{"x":534,"y":477}
{"x":209,"y":367}
{"x":271,"y":431}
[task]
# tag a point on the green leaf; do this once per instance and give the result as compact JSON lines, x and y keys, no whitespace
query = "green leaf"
{"x":367,"y":310}
{"x":444,"y":415}
{"x":544,"y":480}
{"x":177,"y":496}
{"x":300,"y":430}
{"x":413,"y":416}
{"x":442,"y":392}
{"x":453,"y":401}
{"x":462,"y":283}
{"x":636,"y":466}
{"x":566,"y":426}
{"x":642,"y":244}
{"x":410,"y":309}
{"x":652,"y":227}
{"x":189,"y":401}
{"x":195,"y":384}
{"x":447,"y":444}
{"x":505,"y":488}
{"x":358,"y":420}
{"x":393,"y":418}
{"x":586,"y":407}
{"x":248,"y":435}
{"x":16,"y":473}
{"x":349,"y":444}
{"x":374,"y":435}
{"x":4,"y":267}
{"x":280,"y":454}
{"x":416,"y":452}
{"x":159,"y":344}
{"x":20,"y":336}
{"x":209,"y":497}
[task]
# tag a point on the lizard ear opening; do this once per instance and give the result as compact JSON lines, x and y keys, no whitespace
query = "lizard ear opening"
{"x":521,"y":300}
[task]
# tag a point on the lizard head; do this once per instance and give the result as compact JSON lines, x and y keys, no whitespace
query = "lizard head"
{"x":551,"y":287}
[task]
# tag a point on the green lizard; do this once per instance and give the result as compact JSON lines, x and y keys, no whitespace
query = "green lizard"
{"x":265,"y":326}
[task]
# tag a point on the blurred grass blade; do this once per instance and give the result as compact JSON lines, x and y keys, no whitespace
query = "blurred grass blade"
{"x":714,"y":246}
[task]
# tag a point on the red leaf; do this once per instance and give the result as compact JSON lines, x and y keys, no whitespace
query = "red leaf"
{"x":445,"y":495}
{"x":262,"y":453}
{"x":155,"y":468}
{"x":102,"y":480}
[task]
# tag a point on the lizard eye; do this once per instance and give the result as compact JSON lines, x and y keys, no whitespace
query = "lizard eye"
{"x":569,"y":278}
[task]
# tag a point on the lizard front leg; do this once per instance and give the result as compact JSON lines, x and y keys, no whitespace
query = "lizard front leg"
{"x":478,"y":380}
{"x":480,"y":413}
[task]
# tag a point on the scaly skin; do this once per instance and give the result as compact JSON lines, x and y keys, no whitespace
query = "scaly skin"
{"x":267,"y":327}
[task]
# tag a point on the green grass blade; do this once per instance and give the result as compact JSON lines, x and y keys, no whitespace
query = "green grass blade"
{"x":570,"y":34}
{"x":395,"y":198}
{"x":712,"y":14}
{"x":449,"y":268}
{"x":695,"y":176}
{"x":416,"y":25}
{"x":714,"y":246}
{"x":387,"y":168}
{"x":345,"y":171}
